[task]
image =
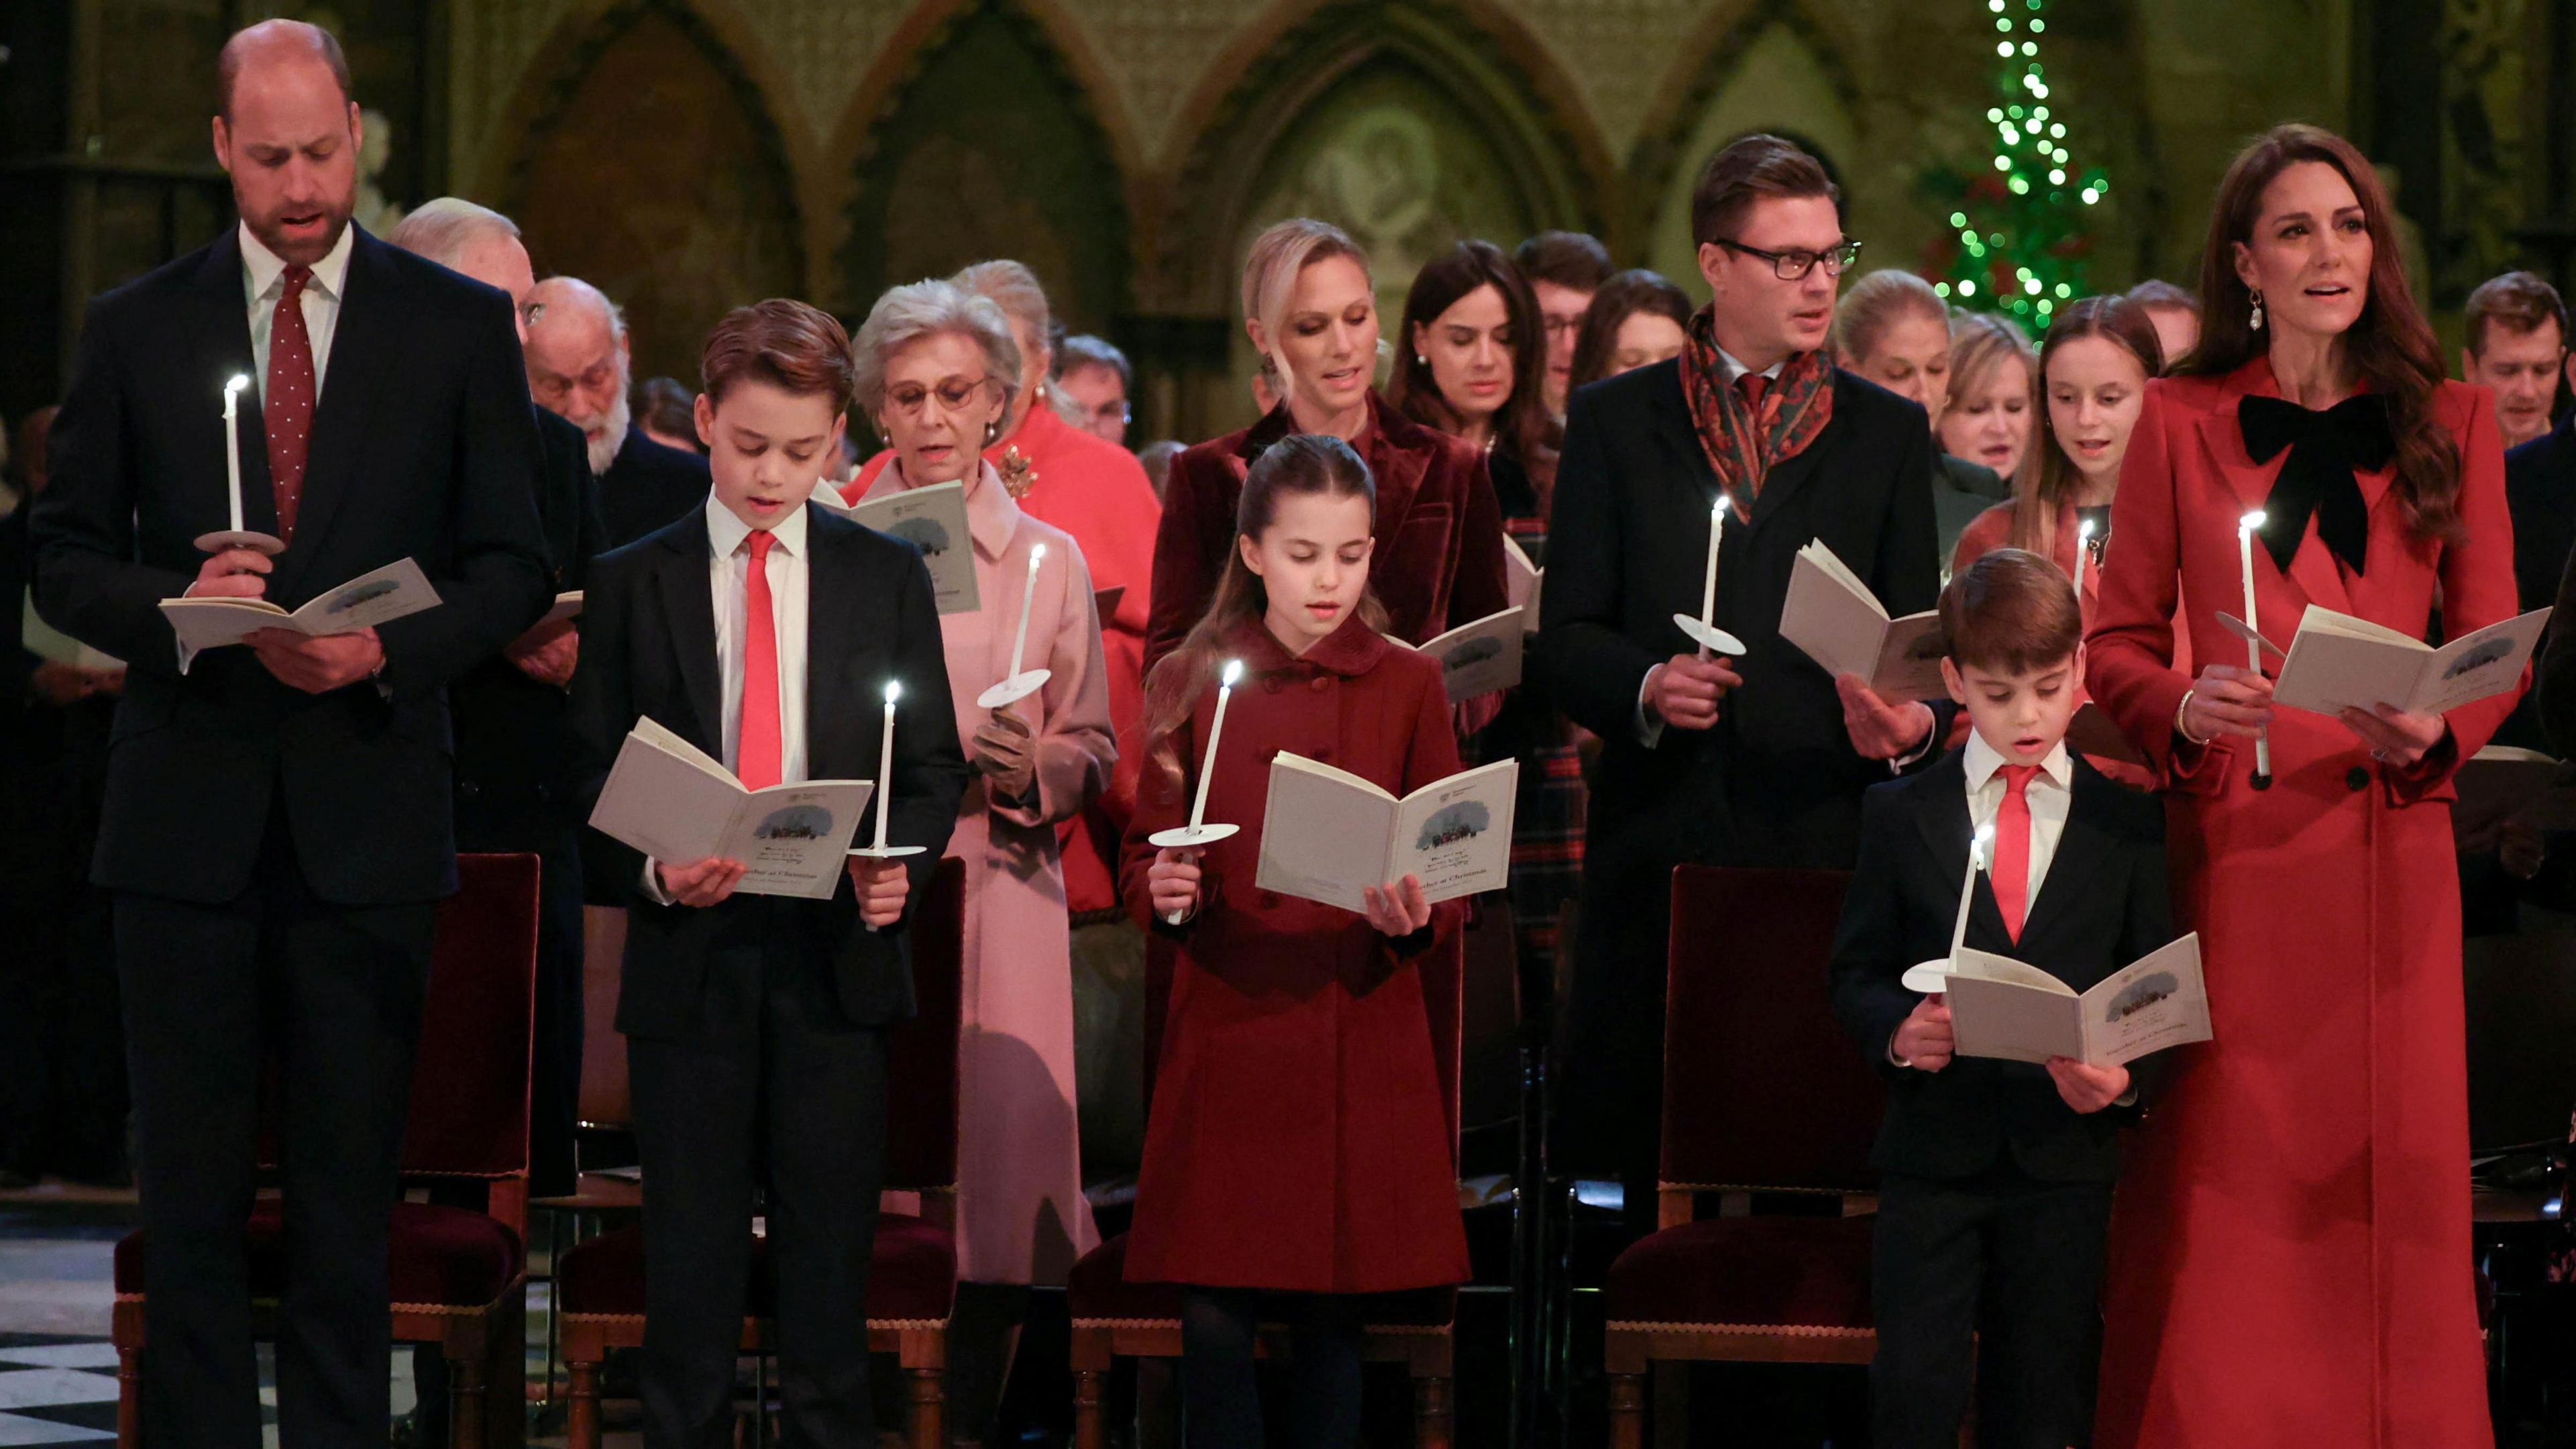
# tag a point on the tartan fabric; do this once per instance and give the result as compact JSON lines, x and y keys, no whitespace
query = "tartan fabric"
{"x":1549,"y":812}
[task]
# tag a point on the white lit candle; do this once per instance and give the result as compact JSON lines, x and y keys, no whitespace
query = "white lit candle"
{"x":2083,"y":552}
{"x":1020,"y":644}
{"x":1216,"y":730}
{"x":2253,"y":632}
{"x":1968,"y":886}
{"x":232,"y":443}
{"x":1708,"y":586}
{"x":885,"y":763}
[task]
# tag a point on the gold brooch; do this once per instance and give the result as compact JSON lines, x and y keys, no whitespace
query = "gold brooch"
{"x":1017,"y":476}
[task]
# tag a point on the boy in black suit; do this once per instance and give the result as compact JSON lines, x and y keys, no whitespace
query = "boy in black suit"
{"x":763,"y":630}
{"x":1996,"y":1197}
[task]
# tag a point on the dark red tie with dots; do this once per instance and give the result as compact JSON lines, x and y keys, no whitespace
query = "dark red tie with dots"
{"x":288,"y":398}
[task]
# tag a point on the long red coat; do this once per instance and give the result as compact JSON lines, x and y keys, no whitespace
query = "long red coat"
{"x":2290,"y":1247}
{"x":1439,"y":556}
{"x":1096,"y":491}
{"x":1297,"y":1140}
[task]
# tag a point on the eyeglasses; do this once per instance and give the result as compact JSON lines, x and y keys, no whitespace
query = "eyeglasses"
{"x":1113,"y":412}
{"x":1795,"y":263}
{"x":1560,"y":323}
{"x":953,"y":393}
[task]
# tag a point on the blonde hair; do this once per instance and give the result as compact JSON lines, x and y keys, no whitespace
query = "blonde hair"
{"x":1980,"y":342}
{"x":1874,"y":304}
{"x":1270,"y":270}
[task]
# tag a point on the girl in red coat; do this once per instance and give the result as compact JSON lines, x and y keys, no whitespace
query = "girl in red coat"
{"x":2290,"y":1250}
{"x":1297,"y":1143}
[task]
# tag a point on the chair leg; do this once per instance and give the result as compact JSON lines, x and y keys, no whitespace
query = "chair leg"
{"x":581,"y":1416}
{"x":465,"y":1401}
{"x":1627,"y":1411}
{"x":1088,"y":1430}
{"x":1434,"y":1421}
{"x":129,"y":1398}
{"x":929,"y":1408}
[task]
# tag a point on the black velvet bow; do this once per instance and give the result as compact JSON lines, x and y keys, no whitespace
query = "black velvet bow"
{"x":2326,"y":449}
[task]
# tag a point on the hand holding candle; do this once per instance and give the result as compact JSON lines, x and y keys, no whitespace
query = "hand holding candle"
{"x":1198,"y":834}
{"x":2245,"y":527}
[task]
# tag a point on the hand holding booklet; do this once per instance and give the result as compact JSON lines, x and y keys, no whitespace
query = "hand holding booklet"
{"x":1832,"y":615}
{"x":2338,"y":662}
{"x":2014,"y":1011}
{"x":670,"y":800}
{"x":931,"y":519}
{"x":370,"y":599}
{"x":1328,"y":834}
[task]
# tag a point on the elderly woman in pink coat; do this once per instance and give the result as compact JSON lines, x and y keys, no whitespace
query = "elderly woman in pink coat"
{"x":936,"y":366}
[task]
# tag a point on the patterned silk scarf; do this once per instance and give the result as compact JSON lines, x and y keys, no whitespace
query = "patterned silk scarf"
{"x":1740,"y":447}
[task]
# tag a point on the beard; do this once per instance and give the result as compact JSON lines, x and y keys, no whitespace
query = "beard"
{"x":609,"y":425}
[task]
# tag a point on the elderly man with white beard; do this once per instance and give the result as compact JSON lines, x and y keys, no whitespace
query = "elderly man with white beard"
{"x":578,"y":368}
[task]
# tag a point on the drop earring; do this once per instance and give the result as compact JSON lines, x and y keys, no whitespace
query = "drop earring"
{"x":2256,"y":321}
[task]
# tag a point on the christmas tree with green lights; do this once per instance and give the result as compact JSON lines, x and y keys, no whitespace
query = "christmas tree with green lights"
{"x":2018,"y":243}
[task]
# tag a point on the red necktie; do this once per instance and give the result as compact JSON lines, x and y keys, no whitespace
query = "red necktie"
{"x":2012,"y":847}
{"x":1753,"y":385}
{"x":762,"y":749}
{"x":287,"y":399}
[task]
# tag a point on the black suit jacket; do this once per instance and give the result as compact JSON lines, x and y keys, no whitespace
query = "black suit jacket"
{"x":648,"y":486}
{"x":648,"y":647}
{"x":2103,"y":904}
{"x":1777,"y":782}
{"x":423,"y":446}
{"x":2540,"y":490}
{"x":517,"y":758}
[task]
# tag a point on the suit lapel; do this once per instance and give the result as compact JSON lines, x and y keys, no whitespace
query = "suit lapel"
{"x":222,"y":325}
{"x":831,"y":638}
{"x":2081,"y":849}
{"x":692,"y":615}
{"x":360,"y":340}
{"x":1788,"y":476}
{"x":1941,"y":814}
{"x":1400,"y":459}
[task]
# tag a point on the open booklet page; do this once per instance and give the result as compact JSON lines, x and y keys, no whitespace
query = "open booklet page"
{"x":670,"y":800}
{"x":49,"y":643}
{"x":389,"y":593}
{"x":1841,"y":625}
{"x":1328,"y":834}
{"x":931,"y":519}
{"x":1479,"y":658}
{"x":2017,"y":1012}
{"x":1522,"y":580}
{"x":2337,"y":661}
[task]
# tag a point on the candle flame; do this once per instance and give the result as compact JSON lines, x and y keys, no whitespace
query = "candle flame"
{"x":1233,"y":672}
{"x":894,"y":691}
{"x":2084,"y":530}
{"x":237,"y":382}
{"x":1984,"y":853}
{"x":2251,"y":521}
{"x":1036,"y":551}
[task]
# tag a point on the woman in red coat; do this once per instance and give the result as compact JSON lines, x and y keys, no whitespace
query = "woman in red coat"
{"x":1297,"y":1143}
{"x":2290,"y":1249}
{"x":1311,"y":310}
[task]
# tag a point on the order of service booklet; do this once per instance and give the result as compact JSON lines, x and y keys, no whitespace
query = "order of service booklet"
{"x":1832,"y":615}
{"x":1478,"y":658}
{"x":1522,"y":580}
{"x":1327,"y":834}
{"x":2012,"y":1010}
{"x":931,"y":519}
{"x":47,"y":642}
{"x":668,"y":799}
{"x":2337,"y":661}
{"x":389,"y":593}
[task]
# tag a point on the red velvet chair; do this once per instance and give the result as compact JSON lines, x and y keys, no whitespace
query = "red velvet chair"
{"x":1114,"y":1319}
{"x":1762,"y":1093}
{"x":912,"y":1283}
{"x":458,"y":1275}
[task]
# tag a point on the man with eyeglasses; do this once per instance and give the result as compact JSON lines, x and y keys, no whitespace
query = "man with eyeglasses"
{"x":1092,"y":381}
{"x":1752,"y":761}
{"x":1564,"y":269}
{"x":580,"y":368}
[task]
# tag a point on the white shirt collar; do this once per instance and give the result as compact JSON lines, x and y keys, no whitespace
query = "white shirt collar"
{"x":726,"y":531}
{"x":1735,"y":369}
{"x":1984,"y":759}
{"x":264,"y":265}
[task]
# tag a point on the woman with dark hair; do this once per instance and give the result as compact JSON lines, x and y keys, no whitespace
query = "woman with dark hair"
{"x":1472,"y":364}
{"x":2289,"y":1253}
{"x":1636,"y":319}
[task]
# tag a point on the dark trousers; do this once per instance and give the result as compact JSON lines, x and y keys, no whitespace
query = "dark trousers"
{"x":1220,"y":1379}
{"x":779,"y":1077}
{"x":554,"y":1085}
{"x":334,"y":994}
{"x":1999,"y":1279}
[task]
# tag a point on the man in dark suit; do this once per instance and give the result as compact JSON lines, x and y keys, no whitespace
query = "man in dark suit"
{"x":1996,"y":1196}
{"x":1758,"y":760}
{"x":760,"y":1019}
{"x":579,"y":368}
{"x":518,"y":759}
{"x":276,"y":827}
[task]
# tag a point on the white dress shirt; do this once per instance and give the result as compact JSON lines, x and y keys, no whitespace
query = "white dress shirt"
{"x":2049,"y":796}
{"x":264,"y":276}
{"x":728,"y":577}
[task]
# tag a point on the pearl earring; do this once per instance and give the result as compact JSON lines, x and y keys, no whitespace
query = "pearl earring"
{"x":2257,"y":320}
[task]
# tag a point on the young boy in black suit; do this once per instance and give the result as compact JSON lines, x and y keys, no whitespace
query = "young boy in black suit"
{"x":764,"y":630}
{"x":1996,"y":1194}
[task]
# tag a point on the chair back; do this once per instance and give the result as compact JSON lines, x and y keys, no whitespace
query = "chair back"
{"x":469,"y":1100}
{"x":921,"y":1059}
{"x":1762,"y":1089}
{"x":602,"y":1102}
